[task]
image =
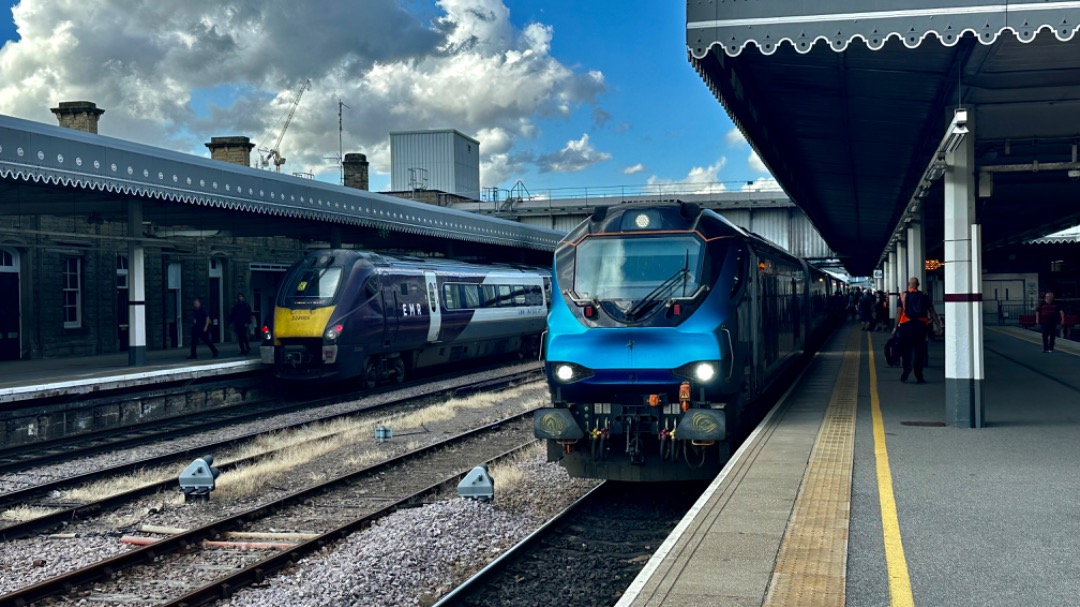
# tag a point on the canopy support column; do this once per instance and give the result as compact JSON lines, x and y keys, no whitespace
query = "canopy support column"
{"x":963,"y":400}
{"x":891,"y":284}
{"x":916,"y":252}
{"x":136,"y":286}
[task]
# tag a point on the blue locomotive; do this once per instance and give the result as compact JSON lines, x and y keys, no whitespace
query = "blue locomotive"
{"x":667,"y":323}
{"x":344,"y":314}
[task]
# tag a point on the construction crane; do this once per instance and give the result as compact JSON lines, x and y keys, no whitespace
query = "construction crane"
{"x":273,"y":154}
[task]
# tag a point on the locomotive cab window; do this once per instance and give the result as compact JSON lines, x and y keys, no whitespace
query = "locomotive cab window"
{"x":633,"y":268}
{"x":311,"y":286}
{"x":371,"y":286}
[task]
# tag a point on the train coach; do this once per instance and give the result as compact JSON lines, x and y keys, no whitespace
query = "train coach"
{"x":343,"y":314}
{"x":667,"y":325}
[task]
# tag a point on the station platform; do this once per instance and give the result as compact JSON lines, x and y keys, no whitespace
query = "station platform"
{"x":23,"y":380}
{"x":853,"y":492}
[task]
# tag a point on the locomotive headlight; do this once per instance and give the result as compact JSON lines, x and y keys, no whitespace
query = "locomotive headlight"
{"x":705,"y":372}
{"x":564,"y":372}
{"x":702,"y":372}
{"x":569,"y":372}
{"x":334,"y":332}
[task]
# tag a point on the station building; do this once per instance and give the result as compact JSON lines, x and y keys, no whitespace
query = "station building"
{"x":74,"y":205}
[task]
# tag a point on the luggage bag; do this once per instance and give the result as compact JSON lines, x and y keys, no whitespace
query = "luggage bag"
{"x":892,"y":352}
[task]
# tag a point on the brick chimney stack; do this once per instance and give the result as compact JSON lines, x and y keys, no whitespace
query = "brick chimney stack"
{"x":236,"y":150}
{"x":78,"y":115}
{"x":356,"y":171}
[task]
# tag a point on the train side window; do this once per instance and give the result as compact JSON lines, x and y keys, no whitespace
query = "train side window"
{"x":504,"y":296}
{"x":534,"y":297}
{"x":471,"y":296}
{"x":371,"y":286}
{"x":404,"y":288}
{"x":519,"y":295}
{"x":491,"y":296}
{"x":450,"y":296}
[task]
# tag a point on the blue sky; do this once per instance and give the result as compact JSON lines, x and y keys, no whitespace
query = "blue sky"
{"x":648,"y":108}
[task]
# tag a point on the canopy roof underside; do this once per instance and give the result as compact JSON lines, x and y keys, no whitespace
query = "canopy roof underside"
{"x":846,"y":101}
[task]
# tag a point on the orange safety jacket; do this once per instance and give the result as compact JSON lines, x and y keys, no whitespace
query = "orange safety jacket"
{"x":903,"y":316}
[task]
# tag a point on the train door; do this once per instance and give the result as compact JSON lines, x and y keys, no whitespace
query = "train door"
{"x":174,"y":307}
{"x":391,"y":309}
{"x":122,"y":313}
{"x":216,"y":297}
{"x":434,"y":310}
{"x":10,"y":342}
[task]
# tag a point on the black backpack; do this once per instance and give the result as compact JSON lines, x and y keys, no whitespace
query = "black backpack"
{"x":915,"y":305}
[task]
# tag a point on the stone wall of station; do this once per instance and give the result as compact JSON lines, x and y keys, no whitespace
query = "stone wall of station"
{"x":49,"y":248}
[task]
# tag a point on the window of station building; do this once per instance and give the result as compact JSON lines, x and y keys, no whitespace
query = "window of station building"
{"x":1057,"y":265}
{"x":72,"y":292}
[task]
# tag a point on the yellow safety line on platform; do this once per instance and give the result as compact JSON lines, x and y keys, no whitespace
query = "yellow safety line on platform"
{"x":811,"y":565}
{"x":899,"y":580}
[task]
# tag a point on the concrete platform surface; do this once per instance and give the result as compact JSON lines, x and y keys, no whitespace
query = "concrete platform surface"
{"x":927,"y":515}
{"x":26,"y":379}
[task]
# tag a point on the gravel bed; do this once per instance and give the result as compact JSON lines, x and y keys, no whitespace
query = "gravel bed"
{"x":414,"y":556}
{"x":28,"y":478}
{"x":156,"y":583}
{"x":168,"y":508}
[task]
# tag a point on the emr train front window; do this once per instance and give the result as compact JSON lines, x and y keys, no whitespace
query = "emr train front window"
{"x":630,"y":268}
{"x":312,"y":286}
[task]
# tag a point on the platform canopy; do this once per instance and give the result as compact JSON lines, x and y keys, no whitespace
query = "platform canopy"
{"x":847,"y":102}
{"x":48,"y":170}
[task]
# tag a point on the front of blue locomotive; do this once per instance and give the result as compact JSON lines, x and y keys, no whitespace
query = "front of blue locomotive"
{"x":639,"y":349}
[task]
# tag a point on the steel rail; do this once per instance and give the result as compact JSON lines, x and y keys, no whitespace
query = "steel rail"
{"x":22,"y":529}
{"x":20,"y":457}
{"x":257,"y":572}
{"x":14,"y":458}
{"x":147,"y":554}
{"x":514,"y":551}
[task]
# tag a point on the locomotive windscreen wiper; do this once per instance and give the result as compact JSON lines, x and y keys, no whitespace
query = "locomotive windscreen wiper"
{"x":660,"y":293}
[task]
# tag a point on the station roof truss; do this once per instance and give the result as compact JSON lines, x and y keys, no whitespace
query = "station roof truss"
{"x":57,"y":161}
{"x":847,"y":101}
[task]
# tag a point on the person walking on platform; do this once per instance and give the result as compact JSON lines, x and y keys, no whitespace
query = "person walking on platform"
{"x":1048,"y":315}
{"x":912,"y":323}
{"x":881,"y":309}
{"x":200,"y":329}
{"x":240,"y":318}
{"x":866,"y":310}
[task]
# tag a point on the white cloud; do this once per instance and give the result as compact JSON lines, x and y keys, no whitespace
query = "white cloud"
{"x":700,"y":180}
{"x":152,"y":66}
{"x":755,"y":163}
{"x":762,"y":184}
{"x":735,"y":137}
{"x":578,"y":155}
{"x":637,"y":168}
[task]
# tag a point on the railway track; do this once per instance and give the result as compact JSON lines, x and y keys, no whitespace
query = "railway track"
{"x":19,"y":458}
{"x":147,"y":571}
{"x":607,"y":536}
{"x":69,"y":513}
